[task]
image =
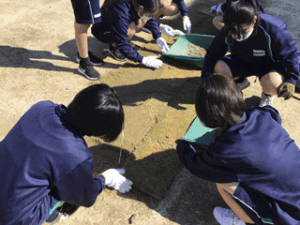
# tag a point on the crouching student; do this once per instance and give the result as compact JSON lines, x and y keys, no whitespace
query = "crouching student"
{"x":254,"y":161}
{"x":260,"y":45}
{"x":218,"y":21}
{"x":120,"y":21}
{"x":44,"y":160}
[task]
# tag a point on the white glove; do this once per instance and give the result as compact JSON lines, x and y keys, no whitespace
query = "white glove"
{"x":169,"y":31}
{"x":162,"y":44}
{"x":187,"y":25}
{"x":152,"y":62}
{"x":217,"y":8}
{"x":114,"y":179}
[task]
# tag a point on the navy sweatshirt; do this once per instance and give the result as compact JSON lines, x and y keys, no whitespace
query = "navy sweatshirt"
{"x":117,"y":19}
{"x":260,"y":155}
{"x":43,"y":160}
{"x":271,"y":43}
{"x":228,"y":2}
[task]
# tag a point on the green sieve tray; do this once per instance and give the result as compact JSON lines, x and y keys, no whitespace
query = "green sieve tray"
{"x":180,"y":47}
{"x":201,"y":135}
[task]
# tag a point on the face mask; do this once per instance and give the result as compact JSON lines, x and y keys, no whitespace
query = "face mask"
{"x":243,"y":36}
{"x":144,"y":17}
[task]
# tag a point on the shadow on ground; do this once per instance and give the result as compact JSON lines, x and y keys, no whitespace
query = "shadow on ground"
{"x":161,"y":89}
{"x":186,"y":192}
{"x":24,"y":58}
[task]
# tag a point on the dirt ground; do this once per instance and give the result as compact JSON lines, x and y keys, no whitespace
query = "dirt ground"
{"x":37,"y":62}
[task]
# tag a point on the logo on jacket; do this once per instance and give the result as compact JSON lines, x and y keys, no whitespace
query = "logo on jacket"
{"x":259,"y":52}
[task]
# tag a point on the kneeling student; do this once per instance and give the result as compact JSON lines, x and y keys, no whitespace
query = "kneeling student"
{"x":254,"y":162}
{"x":44,"y":160}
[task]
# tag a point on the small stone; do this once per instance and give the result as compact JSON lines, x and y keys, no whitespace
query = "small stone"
{"x":132,"y":218}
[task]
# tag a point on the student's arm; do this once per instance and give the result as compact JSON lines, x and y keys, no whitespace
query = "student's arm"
{"x":79,"y":186}
{"x":228,"y":2}
{"x":285,"y":49}
{"x":215,"y":52}
{"x":152,"y":25}
{"x":203,"y":165}
{"x":182,"y":7}
{"x":226,"y":5}
{"x":119,"y":26}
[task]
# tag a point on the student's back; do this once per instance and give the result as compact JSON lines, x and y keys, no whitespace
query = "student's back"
{"x":39,"y":150}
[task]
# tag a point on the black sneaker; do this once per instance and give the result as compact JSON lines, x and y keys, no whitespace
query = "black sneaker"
{"x":116,"y":54}
{"x":95,"y":61}
{"x":135,"y":47}
{"x":88,"y":71}
{"x":242,"y":83}
{"x":61,"y":213}
{"x":68,"y":208}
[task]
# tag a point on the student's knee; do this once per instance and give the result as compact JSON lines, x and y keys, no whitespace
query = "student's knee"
{"x":131,"y":30}
{"x":218,"y":22}
{"x":228,"y":187}
{"x":271,"y":82}
{"x":222,"y":68}
{"x":171,"y":10}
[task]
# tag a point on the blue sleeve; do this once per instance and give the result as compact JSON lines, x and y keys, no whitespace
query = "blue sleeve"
{"x":79,"y":186}
{"x":215,"y":52}
{"x":226,"y":5}
{"x":182,"y":7}
{"x":152,"y":25}
{"x":273,"y":112}
{"x":284,"y":49}
{"x":119,"y":23}
{"x":228,"y":2}
{"x":203,"y":165}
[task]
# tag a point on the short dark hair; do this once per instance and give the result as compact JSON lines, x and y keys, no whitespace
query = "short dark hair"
{"x":97,"y":111}
{"x":239,"y":13}
{"x":219,"y":103}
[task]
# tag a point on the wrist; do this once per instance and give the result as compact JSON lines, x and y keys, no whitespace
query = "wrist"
{"x":101,"y":175}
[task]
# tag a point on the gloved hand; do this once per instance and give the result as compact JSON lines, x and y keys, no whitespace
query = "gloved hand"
{"x":187,"y":25}
{"x":162,"y":44}
{"x":114,"y":179}
{"x":152,"y":62}
{"x":217,"y":8}
{"x":169,"y":31}
{"x":286,"y":90}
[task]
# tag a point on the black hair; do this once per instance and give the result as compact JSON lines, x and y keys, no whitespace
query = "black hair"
{"x":97,"y":111}
{"x":219,"y":103}
{"x":238,"y":14}
{"x":149,"y":5}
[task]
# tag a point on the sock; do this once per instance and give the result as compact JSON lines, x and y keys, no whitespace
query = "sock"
{"x":84,"y":61}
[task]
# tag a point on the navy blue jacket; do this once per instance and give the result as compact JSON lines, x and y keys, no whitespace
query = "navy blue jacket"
{"x":228,"y":2}
{"x":117,"y":19}
{"x":182,"y":7}
{"x":43,"y":159}
{"x":260,"y":155}
{"x":272,"y":41}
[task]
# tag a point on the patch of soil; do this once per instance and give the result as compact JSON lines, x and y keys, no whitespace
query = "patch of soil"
{"x":195,"y":50}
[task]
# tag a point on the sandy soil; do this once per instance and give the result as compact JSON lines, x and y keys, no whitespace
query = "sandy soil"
{"x":37,"y":62}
